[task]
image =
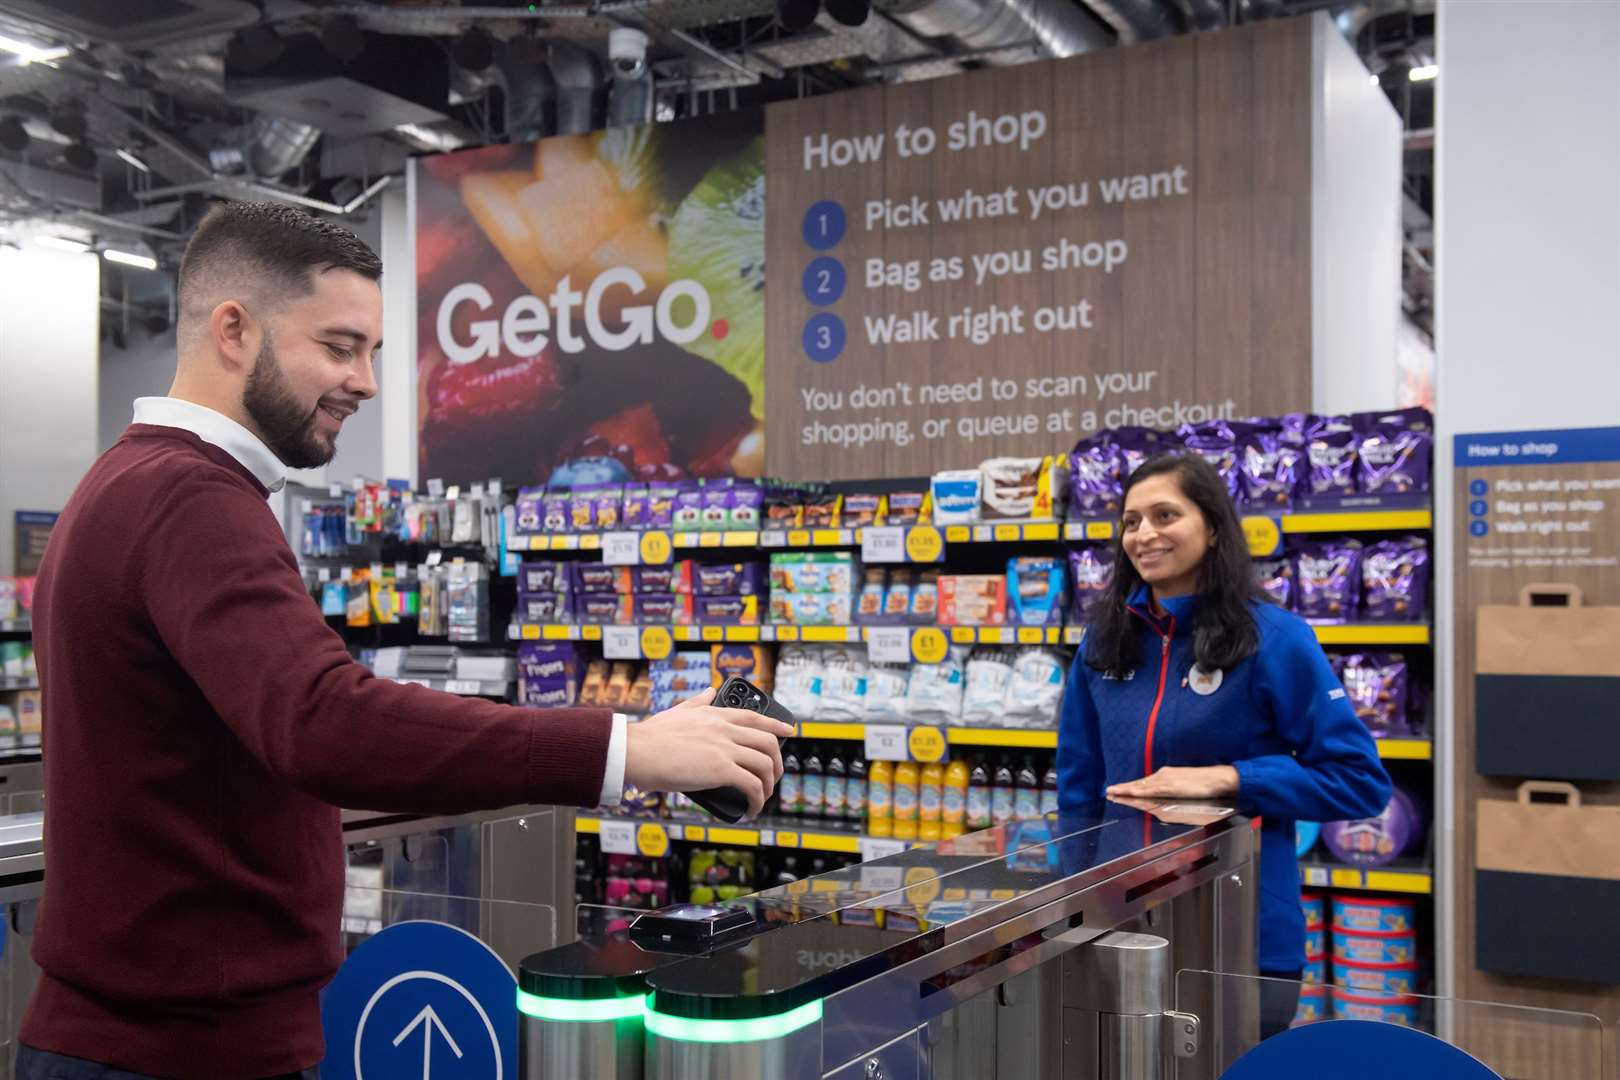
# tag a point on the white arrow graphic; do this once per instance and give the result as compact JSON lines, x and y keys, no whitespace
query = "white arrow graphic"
{"x":429,"y":1020}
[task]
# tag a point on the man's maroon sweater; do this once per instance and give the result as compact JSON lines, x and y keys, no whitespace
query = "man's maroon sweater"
{"x":204,"y":726}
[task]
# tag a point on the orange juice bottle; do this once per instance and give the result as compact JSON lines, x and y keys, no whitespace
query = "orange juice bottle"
{"x":906,"y":779}
{"x":929,"y":801}
{"x":954,"y":798}
{"x":880,"y":799}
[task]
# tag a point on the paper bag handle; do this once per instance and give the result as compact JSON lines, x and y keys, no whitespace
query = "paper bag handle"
{"x":1571,"y":793}
{"x":1542,"y":595}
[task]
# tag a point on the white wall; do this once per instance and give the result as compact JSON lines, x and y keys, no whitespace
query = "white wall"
{"x":1355,"y":231}
{"x":48,"y":375}
{"x":1527,"y":286}
{"x":143,"y":368}
{"x":397,"y":375}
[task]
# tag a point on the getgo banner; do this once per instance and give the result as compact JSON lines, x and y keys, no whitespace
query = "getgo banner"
{"x":591,"y":308}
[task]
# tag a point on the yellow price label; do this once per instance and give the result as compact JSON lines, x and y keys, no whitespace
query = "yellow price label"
{"x":710,"y":539}
{"x":926,"y":744}
{"x":924,"y":544}
{"x":651,"y":840}
{"x":655,"y":548}
{"x":590,"y":542}
{"x":928,"y":645}
{"x":1263,"y":534}
{"x":656,"y":643}
{"x":714,"y":633}
{"x":530,"y":632}
{"x":922,"y":885}
{"x":555,"y":632}
{"x":787,"y":633}
{"x":1099,"y":530}
{"x":964,"y":635}
{"x":1030,"y":635}
{"x":798,"y":538}
{"x":787,"y":839}
{"x":1005,"y":533}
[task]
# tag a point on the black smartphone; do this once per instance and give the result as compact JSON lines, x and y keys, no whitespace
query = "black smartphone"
{"x":728,"y":803}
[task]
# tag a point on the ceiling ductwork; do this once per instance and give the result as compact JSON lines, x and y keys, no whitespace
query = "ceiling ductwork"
{"x":529,"y":90}
{"x":984,"y":26}
{"x":272,"y":147}
{"x":1138,"y":20}
{"x":577,"y":73}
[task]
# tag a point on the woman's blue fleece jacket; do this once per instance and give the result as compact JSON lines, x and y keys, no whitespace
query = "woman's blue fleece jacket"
{"x":1280,"y":717}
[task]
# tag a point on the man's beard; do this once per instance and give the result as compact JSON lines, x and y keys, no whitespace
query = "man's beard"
{"x":285,"y":426}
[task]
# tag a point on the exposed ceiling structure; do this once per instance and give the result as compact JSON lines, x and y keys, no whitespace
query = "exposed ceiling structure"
{"x":121,"y":119}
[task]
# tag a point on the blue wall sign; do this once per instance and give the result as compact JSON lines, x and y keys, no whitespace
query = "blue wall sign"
{"x":421,"y":1001}
{"x":1355,"y":1050}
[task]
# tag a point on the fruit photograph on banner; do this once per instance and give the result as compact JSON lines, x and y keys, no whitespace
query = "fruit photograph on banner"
{"x":591,"y":308}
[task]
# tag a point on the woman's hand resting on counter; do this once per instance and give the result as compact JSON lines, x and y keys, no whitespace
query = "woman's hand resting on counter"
{"x":1203,"y":782}
{"x":696,"y":746}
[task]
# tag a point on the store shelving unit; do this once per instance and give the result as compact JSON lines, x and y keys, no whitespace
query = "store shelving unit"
{"x":1403,"y":876}
{"x":465,"y":687}
{"x":12,"y":683}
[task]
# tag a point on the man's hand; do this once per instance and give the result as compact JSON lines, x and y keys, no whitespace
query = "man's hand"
{"x":696,"y":746}
{"x":1206,"y":782}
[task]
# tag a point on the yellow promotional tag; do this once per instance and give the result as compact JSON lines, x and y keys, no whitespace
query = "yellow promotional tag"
{"x":656,"y":643}
{"x":1263,"y":534}
{"x":922,"y":885}
{"x":928,"y":645}
{"x":655,"y":548}
{"x":924,"y":544}
{"x":651,"y":840}
{"x":926,"y":744}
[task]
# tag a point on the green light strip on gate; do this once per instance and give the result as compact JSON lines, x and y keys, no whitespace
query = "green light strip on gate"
{"x":574,"y":1010}
{"x":752,"y":1029}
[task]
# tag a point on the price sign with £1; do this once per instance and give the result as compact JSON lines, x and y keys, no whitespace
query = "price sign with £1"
{"x":883,"y":545}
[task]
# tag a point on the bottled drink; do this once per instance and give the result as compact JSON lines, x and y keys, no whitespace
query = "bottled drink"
{"x":1027,"y":795}
{"x":978,"y":795}
{"x":930,"y":801}
{"x":880,"y":799}
{"x":1049,"y":790}
{"x":953,"y":814}
{"x":836,"y":786}
{"x":906,"y":781}
{"x":814,"y":784}
{"x":1001,"y":793}
{"x":790,"y":790}
{"x":855,"y":790}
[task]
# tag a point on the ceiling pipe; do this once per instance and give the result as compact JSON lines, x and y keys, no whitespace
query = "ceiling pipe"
{"x":1062,"y":29}
{"x":530,"y":92}
{"x":1137,"y":20}
{"x":577,"y":73}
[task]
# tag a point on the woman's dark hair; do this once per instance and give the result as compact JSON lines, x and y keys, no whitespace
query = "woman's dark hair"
{"x":1226,"y":633}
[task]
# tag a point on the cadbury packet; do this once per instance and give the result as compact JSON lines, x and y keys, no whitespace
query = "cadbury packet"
{"x":1395,"y":580}
{"x":1375,"y":684}
{"x":529,"y":509}
{"x":1331,"y":445}
{"x":1094,"y":479}
{"x":1393,"y":457}
{"x":1269,"y":467}
{"x":1327,"y":576}
{"x":688,"y":512}
{"x":1091,"y":568}
{"x":554,"y":512}
{"x":661,"y":506}
{"x":1276,"y":579}
{"x":1214,"y":442}
{"x":1135,"y":445}
{"x":635,"y":508}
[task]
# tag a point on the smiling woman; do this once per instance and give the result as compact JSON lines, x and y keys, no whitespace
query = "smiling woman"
{"x":1234,"y":700}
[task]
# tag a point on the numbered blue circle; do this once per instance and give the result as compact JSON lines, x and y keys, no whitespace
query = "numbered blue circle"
{"x":1479,"y":508}
{"x":823,"y":337}
{"x":824,"y":225}
{"x":1478,"y":487}
{"x":823,"y":280}
{"x":1478,"y":528}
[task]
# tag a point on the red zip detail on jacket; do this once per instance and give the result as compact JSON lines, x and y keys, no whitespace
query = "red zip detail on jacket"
{"x":1164,"y":670}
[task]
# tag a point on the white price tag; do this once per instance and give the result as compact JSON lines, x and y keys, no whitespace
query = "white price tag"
{"x":336,"y":491}
{"x":619,"y":837}
{"x":772,"y":539}
{"x":872,"y":847}
{"x":883,"y":545}
{"x":621,"y":642}
{"x":376,"y":571}
{"x":435,"y":487}
{"x":454,"y":493}
{"x":435,"y":557}
{"x":886,"y":742}
{"x":888,"y":644}
{"x":323,"y":575}
{"x":345,"y":573}
{"x":493,"y":487}
{"x":767,"y":838}
{"x":881,"y":879}
{"x":461,"y":686}
{"x":402,"y":571}
{"x":621,"y":548}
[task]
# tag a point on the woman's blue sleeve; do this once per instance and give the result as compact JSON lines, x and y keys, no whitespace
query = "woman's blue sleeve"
{"x":1333,"y":773}
{"x":1079,"y":752}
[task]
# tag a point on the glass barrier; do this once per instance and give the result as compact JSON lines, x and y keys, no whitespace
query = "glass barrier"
{"x":510,"y":928}
{"x":1256,"y":1022}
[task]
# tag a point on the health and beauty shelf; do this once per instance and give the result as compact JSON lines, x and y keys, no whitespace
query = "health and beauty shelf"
{"x":21,"y":704}
{"x":1269,"y":465}
{"x":444,"y":599}
{"x":369,"y":513}
{"x":16,"y":605}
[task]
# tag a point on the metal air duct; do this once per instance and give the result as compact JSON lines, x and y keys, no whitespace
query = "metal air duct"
{"x":577,"y":73}
{"x":270,"y":147}
{"x":1137,"y":20}
{"x":1059,"y":26}
{"x":530,"y":90}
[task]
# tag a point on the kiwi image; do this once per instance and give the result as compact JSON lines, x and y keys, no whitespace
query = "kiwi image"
{"x":717,"y":238}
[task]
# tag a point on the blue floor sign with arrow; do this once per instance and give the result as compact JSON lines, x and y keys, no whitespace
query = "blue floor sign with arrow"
{"x":421,"y":1001}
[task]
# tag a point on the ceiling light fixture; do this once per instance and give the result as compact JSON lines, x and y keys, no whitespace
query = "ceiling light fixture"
{"x":436,"y":140}
{"x":131,"y":160}
{"x":1423,"y":73}
{"x":32,"y":54}
{"x":1373,"y":79}
{"x":62,"y":243}
{"x":129,"y":258}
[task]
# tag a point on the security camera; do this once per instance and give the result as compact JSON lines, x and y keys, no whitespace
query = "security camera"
{"x":627,"y":48}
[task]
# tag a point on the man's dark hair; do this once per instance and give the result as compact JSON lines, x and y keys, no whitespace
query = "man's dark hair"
{"x":264,"y":252}
{"x":1226,"y":633}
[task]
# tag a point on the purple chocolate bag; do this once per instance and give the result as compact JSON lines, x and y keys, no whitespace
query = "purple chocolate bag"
{"x":543,"y":575}
{"x":530,"y":509}
{"x":661,"y":506}
{"x":1276,"y":579}
{"x":1394,"y":459}
{"x":1380,"y":840}
{"x":1135,"y":445}
{"x":717,"y":499}
{"x":554,"y":512}
{"x":1395,"y":580}
{"x":1270,"y":468}
{"x":1332,"y":454}
{"x":1327,"y":576}
{"x":1094,"y":479}
{"x":1376,"y":686}
{"x":729,"y":579}
{"x":1090,"y":570}
{"x":607,"y":508}
{"x":688,"y":508}
{"x":1214,"y":442}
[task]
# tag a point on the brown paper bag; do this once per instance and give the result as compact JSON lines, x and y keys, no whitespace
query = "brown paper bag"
{"x":1560,"y":839}
{"x":1567,"y":639}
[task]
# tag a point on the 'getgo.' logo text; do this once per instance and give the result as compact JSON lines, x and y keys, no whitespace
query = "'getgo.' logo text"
{"x":526,"y":326}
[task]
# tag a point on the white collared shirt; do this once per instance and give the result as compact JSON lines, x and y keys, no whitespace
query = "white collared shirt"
{"x":217,"y":429}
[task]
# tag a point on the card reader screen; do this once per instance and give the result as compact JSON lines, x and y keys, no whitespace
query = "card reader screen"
{"x":692,"y":912}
